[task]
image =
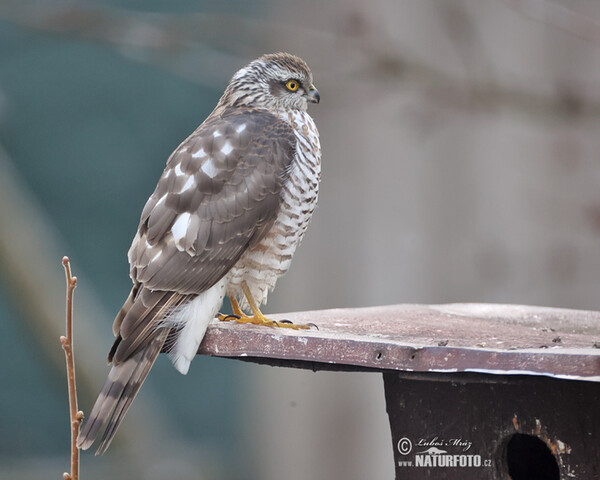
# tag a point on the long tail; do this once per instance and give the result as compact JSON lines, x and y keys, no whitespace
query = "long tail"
{"x":122,"y":385}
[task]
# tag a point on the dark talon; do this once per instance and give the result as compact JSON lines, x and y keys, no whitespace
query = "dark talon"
{"x":313,"y":325}
{"x":289,"y":322}
{"x":230,"y":317}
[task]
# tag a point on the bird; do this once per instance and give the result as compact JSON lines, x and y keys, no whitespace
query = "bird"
{"x":229,"y":210}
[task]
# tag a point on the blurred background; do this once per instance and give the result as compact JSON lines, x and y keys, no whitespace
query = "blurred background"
{"x":461,"y":163}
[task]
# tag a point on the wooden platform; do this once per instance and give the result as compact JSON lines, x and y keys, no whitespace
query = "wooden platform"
{"x":486,"y":338}
{"x":498,"y":378}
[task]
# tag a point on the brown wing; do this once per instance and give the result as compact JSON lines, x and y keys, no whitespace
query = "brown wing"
{"x":219,"y":194}
{"x":220,"y":189}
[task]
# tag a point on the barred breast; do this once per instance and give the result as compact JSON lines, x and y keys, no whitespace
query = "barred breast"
{"x":261,"y":265}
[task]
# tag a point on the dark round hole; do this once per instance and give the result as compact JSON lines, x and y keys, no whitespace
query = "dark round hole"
{"x":529,"y":458}
{"x":378,"y":355}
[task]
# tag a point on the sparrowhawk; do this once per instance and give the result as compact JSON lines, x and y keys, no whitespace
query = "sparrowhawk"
{"x":225,"y":219}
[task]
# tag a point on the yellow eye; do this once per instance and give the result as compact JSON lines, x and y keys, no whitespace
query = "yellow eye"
{"x":292,"y":85}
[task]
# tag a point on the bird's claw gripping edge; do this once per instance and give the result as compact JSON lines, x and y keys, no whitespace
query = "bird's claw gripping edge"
{"x":258,"y":318}
{"x":266,"y":322}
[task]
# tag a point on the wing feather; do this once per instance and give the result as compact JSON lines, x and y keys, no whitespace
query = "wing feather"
{"x":238,"y":175}
{"x":188,"y":239}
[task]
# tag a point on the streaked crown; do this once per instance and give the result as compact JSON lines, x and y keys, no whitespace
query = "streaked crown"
{"x":276,"y":81}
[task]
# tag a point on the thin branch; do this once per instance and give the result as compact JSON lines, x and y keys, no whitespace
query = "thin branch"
{"x":33,"y":243}
{"x":76,"y":415}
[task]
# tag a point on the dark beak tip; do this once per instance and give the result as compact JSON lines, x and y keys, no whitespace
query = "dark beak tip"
{"x":314,"y":96}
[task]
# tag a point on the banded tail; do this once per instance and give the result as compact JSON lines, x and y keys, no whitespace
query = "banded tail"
{"x":117,"y":394}
{"x":149,"y":322}
{"x":141,"y":335}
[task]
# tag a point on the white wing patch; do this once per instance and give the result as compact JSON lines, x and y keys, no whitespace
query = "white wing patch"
{"x":178,"y":170}
{"x":179,"y":228}
{"x":199,"y":153}
{"x":191,"y":183}
{"x":209,"y":168}
{"x":227,"y":148}
{"x":240,"y":128}
{"x":156,"y":256}
{"x":161,"y":200}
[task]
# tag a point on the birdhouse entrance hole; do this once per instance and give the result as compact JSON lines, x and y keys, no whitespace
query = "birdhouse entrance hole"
{"x":529,"y":458}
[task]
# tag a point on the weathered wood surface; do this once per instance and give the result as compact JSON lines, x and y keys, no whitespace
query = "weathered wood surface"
{"x":485,"y":338}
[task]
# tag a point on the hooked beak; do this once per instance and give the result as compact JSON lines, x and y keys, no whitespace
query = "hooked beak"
{"x":313,"y":95}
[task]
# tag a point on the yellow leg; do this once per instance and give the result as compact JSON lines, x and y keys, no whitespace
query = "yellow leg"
{"x":237,"y":311}
{"x":258,"y":315}
{"x":257,"y":318}
{"x":236,"y":307}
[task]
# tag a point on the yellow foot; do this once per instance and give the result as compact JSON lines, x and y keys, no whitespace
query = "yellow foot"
{"x":266,"y":322}
{"x":237,"y":311}
{"x":258,"y":318}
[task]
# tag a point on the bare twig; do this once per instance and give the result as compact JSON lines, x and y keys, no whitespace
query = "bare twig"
{"x":67,"y":344}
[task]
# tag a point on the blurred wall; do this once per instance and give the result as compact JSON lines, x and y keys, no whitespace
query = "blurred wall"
{"x":460,"y":163}
{"x":461,"y":158}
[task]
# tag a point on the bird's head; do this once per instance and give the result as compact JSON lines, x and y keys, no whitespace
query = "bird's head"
{"x":277,"y":81}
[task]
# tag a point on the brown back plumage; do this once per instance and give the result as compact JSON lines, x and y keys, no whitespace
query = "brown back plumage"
{"x":218,"y":195}
{"x":234,"y":180}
